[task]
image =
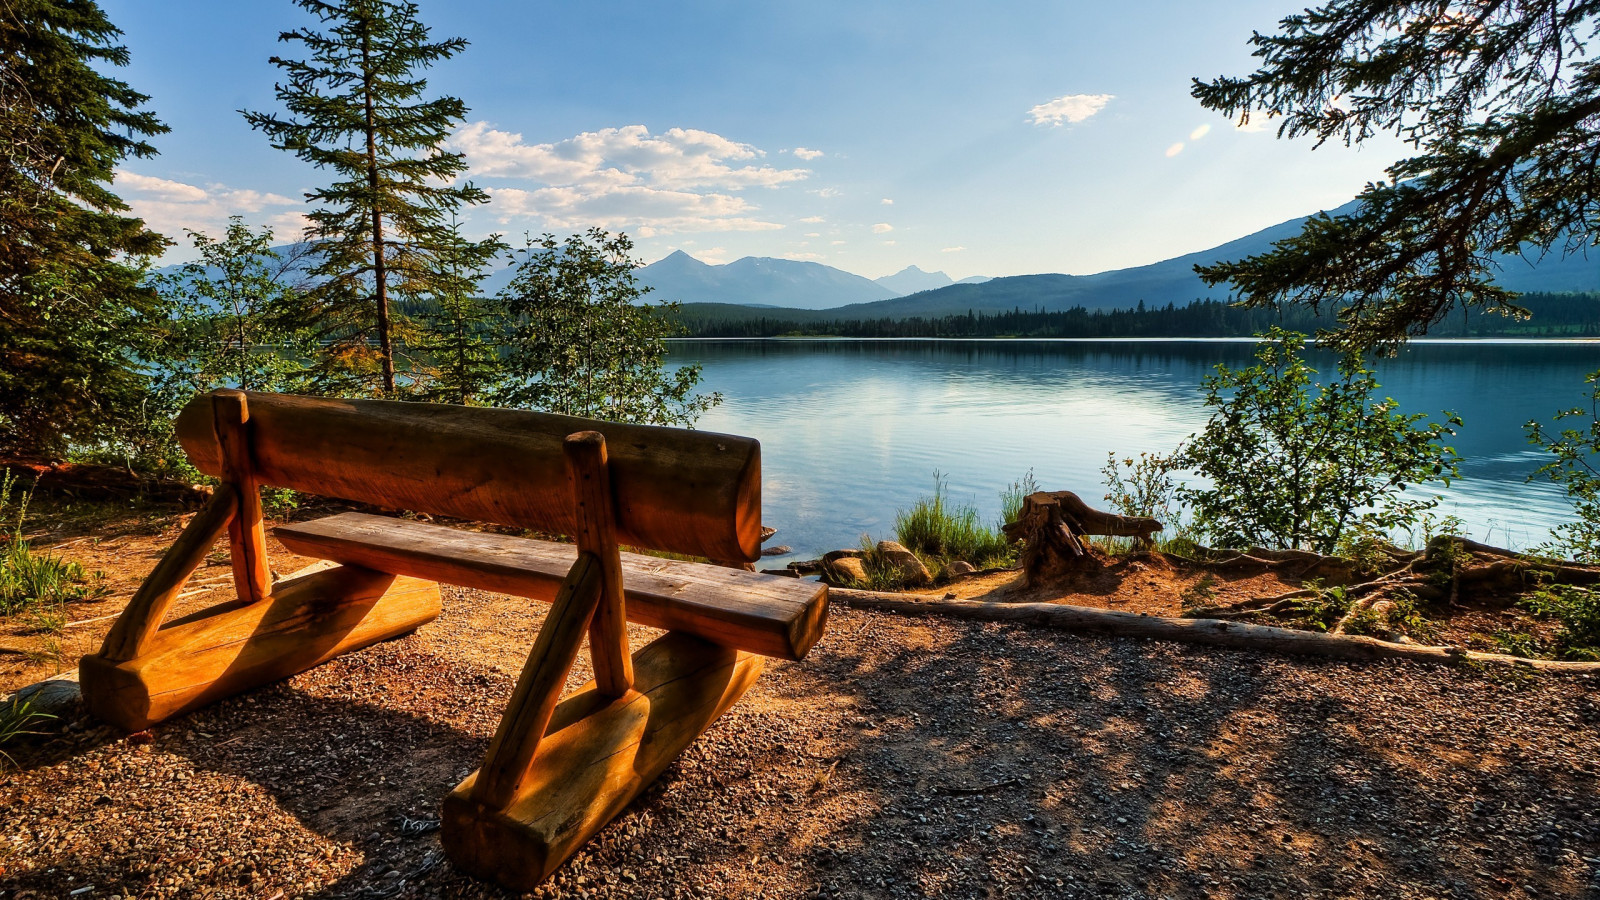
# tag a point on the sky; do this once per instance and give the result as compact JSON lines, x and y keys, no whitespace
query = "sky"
{"x":975,"y":139}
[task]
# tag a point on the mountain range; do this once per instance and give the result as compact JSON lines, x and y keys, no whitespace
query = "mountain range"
{"x":756,"y":282}
{"x":764,"y":282}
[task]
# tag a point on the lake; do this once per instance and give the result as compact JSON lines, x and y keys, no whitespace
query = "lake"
{"x":853,"y":430}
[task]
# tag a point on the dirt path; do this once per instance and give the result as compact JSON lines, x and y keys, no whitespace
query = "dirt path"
{"x":903,"y":758}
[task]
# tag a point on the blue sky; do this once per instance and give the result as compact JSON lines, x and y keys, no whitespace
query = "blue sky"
{"x":978,"y":139}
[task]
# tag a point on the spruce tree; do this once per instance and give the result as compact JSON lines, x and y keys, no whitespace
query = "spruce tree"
{"x":70,"y":293}
{"x":1501,"y":102}
{"x":356,"y":107}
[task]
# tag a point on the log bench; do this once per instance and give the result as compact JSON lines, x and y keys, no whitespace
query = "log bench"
{"x":556,"y":769}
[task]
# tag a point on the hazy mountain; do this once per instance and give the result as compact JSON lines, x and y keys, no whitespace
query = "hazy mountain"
{"x":974,"y":279}
{"x":758,"y":280}
{"x":911,"y":279}
{"x":1174,"y":281}
{"x":767,"y":282}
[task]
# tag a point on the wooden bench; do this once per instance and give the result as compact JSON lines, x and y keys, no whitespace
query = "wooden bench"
{"x":556,"y":770}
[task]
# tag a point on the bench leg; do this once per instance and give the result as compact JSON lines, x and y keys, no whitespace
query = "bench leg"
{"x":597,"y":754}
{"x":310,"y":618}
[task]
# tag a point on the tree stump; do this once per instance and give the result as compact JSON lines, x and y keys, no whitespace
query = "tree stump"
{"x":1052,"y":525}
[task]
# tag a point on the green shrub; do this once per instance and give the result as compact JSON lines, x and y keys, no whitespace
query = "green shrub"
{"x":1293,"y":463}
{"x":1576,"y":451}
{"x":935,"y":527}
{"x":1324,"y":608}
{"x":1577,"y":611}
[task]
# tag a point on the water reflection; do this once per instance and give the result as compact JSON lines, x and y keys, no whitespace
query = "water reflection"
{"x":853,"y":430}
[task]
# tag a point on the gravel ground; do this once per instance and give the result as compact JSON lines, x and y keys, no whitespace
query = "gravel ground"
{"x":903,"y":758}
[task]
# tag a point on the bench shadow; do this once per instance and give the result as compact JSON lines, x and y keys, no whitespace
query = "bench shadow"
{"x":994,"y":761}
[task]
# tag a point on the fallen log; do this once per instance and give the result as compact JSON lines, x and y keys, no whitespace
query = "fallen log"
{"x":1207,"y":632}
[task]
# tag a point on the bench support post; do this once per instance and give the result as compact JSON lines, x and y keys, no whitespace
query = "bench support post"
{"x":556,"y":773}
{"x":145,"y":673}
{"x":247,"y":538}
{"x":597,"y":534}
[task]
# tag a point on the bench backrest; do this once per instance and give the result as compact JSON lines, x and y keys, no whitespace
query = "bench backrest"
{"x":676,"y":490}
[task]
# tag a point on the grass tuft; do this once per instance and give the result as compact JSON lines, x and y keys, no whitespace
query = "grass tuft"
{"x":934,"y":527}
{"x":33,"y":582}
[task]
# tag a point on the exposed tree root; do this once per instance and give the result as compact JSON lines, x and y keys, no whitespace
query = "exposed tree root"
{"x":1209,"y":632}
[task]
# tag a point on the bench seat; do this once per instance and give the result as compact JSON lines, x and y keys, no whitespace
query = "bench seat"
{"x":766,"y":614}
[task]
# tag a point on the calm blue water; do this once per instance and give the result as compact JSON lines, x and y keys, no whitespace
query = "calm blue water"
{"x":852,"y":430}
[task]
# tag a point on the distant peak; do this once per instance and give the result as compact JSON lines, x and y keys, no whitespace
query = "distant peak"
{"x":679,"y":258}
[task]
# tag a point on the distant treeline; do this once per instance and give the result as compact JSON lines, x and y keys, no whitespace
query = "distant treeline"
{"x":1554,"y":315}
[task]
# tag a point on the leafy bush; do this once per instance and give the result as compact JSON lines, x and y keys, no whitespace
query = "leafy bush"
{"x":1324,"y":608}
{"x":1576,"y":450}
{"x":938,"y":528}
{"x":1148,"y":489}
{"x":1577,"y":610}
{"x":1290,"y":467}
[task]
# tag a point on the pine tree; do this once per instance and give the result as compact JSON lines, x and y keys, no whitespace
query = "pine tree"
{"x":1502,"y":102}
{"x":70,"y":294}
{"x":356,"y":107}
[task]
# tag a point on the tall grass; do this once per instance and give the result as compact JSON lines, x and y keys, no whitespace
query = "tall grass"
{"x":1011,"y":498}
{"x":940,"y":528}
{"x":29,"y":580}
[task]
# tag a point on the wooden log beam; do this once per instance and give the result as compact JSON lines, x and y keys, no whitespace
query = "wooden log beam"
{"x":131,"y":633}
{"x":692,"y":492}
{"x":597,"y":535}
{"x":247,"y":540}
{"x":599,"y":753}
{"x":311,"y":617}
{"x":506,"y":767}
{"x":766,"y":614}
{"x":1208,"y":632}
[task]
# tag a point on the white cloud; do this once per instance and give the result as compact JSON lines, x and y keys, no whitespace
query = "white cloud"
{"x":827,"y":192}
{"x":802,"y":256}
{"x":170,"y":207}
{"x":882,"y":228}
{"x":837,"y":243}
{"x":679,"y":158}
{"x":1200,"y":132}
{"x":886,"y":202}
{"x":813,"y":234}
{"x":813,"y":220}
{"x":1070,"y":108}
{"x":952,"y":250}
{"x":805,"y":154}
{"x":680,"y":180}
{"x":646,"y":211}
{"x":1175,"y":149}
{"x":890,"y":243}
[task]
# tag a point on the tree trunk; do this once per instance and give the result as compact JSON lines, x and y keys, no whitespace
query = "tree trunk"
{"x":1051,"y":524}
{"x":380,"y":275}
